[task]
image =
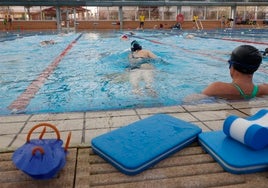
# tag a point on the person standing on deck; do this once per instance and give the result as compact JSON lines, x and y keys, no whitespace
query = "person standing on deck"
{"x":223,"y":22}
{"x":142,"y":20}
{"x":5,"y":22}
{"x":9,"y":20}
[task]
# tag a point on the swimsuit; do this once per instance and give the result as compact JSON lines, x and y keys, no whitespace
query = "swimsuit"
{"x":245,"y":96}
{"x":138,"y":62}
{"x":135,"y":57}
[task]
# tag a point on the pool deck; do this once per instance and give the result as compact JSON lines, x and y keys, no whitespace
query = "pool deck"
{"x":190,"y":167}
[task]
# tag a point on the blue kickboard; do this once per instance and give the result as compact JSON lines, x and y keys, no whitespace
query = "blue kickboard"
{"x":232,"y":155}
{"x":140,"y":145}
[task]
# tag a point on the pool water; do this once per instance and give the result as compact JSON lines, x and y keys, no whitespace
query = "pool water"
{"x":92,"y":71}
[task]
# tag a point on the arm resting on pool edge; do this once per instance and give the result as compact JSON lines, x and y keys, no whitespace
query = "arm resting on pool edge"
{"x":222,"y":90}
{"x":228,"y":91}
{"x":215,"y":89}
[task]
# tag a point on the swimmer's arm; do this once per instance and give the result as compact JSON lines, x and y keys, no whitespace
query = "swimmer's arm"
{"x":131,"y":58}
{"x":215,"y":89}
{"x":133,"y":61}
{"x":263,"y":89}
{"x":151,"y":55}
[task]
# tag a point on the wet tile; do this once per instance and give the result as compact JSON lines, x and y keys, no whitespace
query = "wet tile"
{"x":123,"y":121}
{"x":76,"y":138}
{"x":98,"y":123}
{"x":214,"y":125}
{"x":10,"y":128}
{"x":216,"y":115}
{"x":252,"y":111}
{"x":19,"y":141}
{"x":14,"y":118}
{"x":62,"y":116}
{"x":210,"y":106}
{"x":90,"y":134}
{"x":97,"y":114}
{"x":110,"y":113}
{"x":184,"y":116}
{"x":5,"y":140}
{"x":121,"y":113}
{"x":202,"y":126}
{"x":257,"y":103}
{"x":69,"y":125}
{"x":61,"y":125}
{"x":160,"y":110}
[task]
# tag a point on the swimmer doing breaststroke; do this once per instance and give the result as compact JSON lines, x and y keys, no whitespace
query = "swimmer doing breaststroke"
{"x":141,"y":69}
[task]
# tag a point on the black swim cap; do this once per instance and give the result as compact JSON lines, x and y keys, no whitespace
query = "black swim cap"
{"x":265,"y":51}
{"x":246,"y":59}
{"x":135,"y":46}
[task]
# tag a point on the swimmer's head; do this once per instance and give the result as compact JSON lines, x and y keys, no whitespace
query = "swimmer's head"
{"x":124,"y":37}
{"x":189,"y":36}
{"x":245,"y":59}
{"x":135,"y":46}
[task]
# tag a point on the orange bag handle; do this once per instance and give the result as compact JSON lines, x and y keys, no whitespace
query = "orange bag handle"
{"x":44,"y":130}
{"x":67,"y":141}
{"x":42,"y":133}
{"x":39,"y":149}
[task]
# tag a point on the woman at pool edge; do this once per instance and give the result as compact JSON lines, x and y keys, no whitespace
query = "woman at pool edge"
{"x":140,"y":68}
{"x":244,"y":61}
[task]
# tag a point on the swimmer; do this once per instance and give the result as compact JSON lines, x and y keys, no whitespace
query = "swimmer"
{"x":47,"y":42}
{"x":137,"y":53}
{"x":140,"y":68}
{"x":176,"y":26}
{"x":124,"y":37}
{"x":244,"y":61}
{"x":189,"y":36}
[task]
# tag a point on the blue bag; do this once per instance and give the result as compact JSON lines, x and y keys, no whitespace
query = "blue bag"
{"x":41,"y":158}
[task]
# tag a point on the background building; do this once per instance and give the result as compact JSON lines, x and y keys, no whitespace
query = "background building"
{"x":125,"y":14}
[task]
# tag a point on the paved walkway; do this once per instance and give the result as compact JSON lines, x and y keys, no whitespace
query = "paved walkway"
{"x":190,"y":167}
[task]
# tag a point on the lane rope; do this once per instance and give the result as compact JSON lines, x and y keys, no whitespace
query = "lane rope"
{"x":183,"y":49}
{"x":222,"y":38}
{"x":24,"y":99}
{"x":244,"y":41}
{"x":261,"y":69}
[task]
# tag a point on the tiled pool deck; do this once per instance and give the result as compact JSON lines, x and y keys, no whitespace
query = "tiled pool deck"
{"x":190,"y":167}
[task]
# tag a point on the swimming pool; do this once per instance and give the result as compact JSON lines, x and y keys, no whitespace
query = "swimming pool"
{"x":89,"y":70}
